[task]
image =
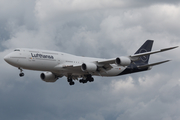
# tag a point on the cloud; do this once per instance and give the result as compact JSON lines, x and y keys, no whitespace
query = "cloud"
{"x":96,"y":28}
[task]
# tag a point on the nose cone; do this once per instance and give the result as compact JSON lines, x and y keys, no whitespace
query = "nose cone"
{"x":7,"y":58}
{"x":11,"y":59}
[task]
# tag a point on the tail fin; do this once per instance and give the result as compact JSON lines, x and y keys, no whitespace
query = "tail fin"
{"x":146,"y":47}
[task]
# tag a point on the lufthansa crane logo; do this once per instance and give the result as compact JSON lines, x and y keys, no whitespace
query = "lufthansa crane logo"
{"x":145,"y":57}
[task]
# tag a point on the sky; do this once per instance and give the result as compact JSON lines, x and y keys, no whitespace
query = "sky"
{"x":93,"y":28}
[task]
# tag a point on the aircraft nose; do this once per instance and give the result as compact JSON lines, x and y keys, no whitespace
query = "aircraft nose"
{"x":11,"y":59}
{"x":6,"y":58}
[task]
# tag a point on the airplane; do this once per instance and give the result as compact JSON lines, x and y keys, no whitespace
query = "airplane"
{"x":58,"y":64}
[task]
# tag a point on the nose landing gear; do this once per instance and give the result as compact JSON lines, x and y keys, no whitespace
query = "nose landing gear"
{"x":21,"y":74}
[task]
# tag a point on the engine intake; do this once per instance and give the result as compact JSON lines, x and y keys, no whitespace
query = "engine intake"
{"x":90,"y":67}
{"x":48,"y":77}
{"x":124,"y":61}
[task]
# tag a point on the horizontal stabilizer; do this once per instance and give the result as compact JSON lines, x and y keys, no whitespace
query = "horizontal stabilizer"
{"x":153,"y":64}
{"x":153,"y":52}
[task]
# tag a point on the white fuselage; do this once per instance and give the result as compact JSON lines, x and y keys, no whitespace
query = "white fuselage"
{"x":56,"y":62}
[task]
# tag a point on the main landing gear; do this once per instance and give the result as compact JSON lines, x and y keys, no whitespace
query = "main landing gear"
{"x":21,"y":74}
{"x":71,"y":82}
{"x":86,"y":79}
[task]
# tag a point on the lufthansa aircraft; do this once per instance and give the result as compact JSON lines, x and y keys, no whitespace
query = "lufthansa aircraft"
{"x":58,"y":64}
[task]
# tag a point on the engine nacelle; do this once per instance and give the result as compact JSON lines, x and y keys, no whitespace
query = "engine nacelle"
{"x":124,"y":61}
{"x":90,"y":67}
{"x":48,"y":77}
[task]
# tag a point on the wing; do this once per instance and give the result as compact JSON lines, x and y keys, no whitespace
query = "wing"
{"x":152,"y":52}
{"x":152,"y":64}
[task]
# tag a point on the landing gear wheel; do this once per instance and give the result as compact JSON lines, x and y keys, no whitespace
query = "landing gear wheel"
{"x":91,"y":79}
{"x":71,"y":83}
{"x":81,"y":80}
{"x":85,"y":81}
{"x":21,"y":74}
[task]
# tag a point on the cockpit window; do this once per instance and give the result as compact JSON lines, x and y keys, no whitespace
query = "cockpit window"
{"x":16,"y":50}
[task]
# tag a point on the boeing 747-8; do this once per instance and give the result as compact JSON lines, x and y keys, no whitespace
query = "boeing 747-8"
{"x":57,"y":64}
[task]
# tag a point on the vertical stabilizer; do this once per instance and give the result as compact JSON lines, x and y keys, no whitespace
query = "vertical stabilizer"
{"x":146,"y":47}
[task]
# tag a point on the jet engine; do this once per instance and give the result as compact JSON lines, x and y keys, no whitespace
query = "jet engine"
{"x":48,"y":77}
{"x":90,"y":67}
{"x":124,"y":61}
